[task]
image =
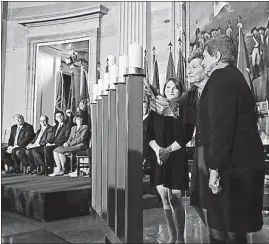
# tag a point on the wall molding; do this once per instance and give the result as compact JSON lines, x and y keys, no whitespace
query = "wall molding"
{"x":63,"y":17}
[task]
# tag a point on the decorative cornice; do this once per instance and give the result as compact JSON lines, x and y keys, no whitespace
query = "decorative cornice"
{"x":64,"y":17}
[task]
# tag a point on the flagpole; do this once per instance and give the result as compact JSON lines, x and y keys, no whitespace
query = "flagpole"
{"x":153,"y":60}
{"x":170,"y":45}
{"x":72,"y":85}
{"x":62,"y":91}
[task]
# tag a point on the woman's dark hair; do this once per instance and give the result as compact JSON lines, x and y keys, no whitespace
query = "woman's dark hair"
{"x":223,"y":44}
{"x":78,"y":116}
{"x":178,"y":84}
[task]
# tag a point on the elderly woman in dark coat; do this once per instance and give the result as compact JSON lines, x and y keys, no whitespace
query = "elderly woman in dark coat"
{"x":167,"y":138}
{"x":236,"y":158}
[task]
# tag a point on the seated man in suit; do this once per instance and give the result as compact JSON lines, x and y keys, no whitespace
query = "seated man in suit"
{"x":43,"y":136}
{"x":61,"y":133}
{"x":20,"y":136}
{"x":77,"y":141}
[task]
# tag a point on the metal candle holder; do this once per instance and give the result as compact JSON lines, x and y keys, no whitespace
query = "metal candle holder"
{"x":134,"y":71}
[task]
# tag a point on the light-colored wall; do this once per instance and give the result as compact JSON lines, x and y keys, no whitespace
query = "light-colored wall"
{"x":15,"y":73}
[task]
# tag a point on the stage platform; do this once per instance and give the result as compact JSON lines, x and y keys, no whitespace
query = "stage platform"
{"x":52,"y":198}
{"x":46,"y":198}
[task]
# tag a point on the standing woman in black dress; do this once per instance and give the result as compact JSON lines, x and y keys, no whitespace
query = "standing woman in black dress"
{"x":236,"y":159}
{"x":166,"y":138}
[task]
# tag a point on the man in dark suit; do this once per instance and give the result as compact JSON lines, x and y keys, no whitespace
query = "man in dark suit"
{"x":20,"y":136}
{"x":43,"y":136}
{"x":61,"y":133}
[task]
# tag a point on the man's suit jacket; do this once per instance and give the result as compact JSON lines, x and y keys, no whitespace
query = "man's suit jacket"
{"x":26,"y":135}
{"x":47,"y":136}
{"x":62,"y":134}
{"x":79,"y":137}
{"x":146,"y":148}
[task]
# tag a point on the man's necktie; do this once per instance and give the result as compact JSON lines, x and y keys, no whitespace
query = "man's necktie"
{"x":17,"y":136}
{"x":58,"y":128}
{"x":39,"y":136}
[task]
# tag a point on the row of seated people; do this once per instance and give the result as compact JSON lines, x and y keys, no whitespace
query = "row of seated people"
{"x":49,"y":146}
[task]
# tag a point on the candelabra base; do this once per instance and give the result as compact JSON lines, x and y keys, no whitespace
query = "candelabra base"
{"x":104,"y":93}
{"x":134,"y":71}
{"x":111,"y":87}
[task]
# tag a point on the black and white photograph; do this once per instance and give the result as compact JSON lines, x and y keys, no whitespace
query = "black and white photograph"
{"x":135,"y":122}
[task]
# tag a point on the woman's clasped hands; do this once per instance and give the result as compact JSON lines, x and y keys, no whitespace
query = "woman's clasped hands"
{"x":163,"y":155}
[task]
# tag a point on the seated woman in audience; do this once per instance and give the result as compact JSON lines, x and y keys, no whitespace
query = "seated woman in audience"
{"x":77,"y":141}
{"x":166,"y":135}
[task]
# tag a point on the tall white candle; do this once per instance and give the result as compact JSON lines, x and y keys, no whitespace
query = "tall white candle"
{"x":100,"y":87}
{"x":123,"y":64}
{"x":135,"y":55}
{"x":113,"y":75}
{"x":106,"y":82}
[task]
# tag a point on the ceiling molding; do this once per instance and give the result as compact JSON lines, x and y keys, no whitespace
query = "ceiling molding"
{"x":63,"y":17}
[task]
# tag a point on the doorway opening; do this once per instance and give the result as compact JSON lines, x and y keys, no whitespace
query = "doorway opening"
{"x":54,"y":68}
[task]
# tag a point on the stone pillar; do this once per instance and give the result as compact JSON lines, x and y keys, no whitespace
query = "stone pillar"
{"x":3,"y":63}
{"x":132,"y":24}
{"x":183,"y":25}
{"x":178,"y":29}
{"x":188,"y":35}
{"x":183,"y":32}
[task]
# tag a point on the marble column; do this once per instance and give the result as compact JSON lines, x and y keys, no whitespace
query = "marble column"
{"x":3,"y":63}
{"x":178,"y":28}
{"x":132,"y":24}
